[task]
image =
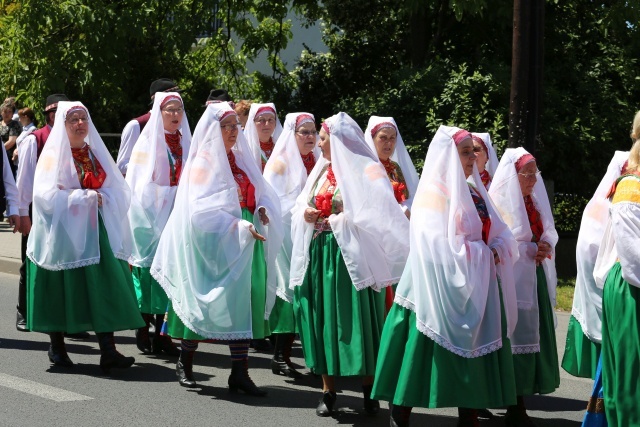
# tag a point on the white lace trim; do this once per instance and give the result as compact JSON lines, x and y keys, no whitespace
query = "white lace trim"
{"x":442,"y":342}
{"x":525,"y":349}
{"x":136,"y":262}
{"x":381,"y":286}
{"x":66,"y":266}
{"x":283,"y":296}
{"x":240,"y":335}
{"x":122,"y":256}
{"x":583,"y":325}
{"x":364,"y":284}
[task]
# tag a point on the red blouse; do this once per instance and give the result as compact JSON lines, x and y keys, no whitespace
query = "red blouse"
{"x":483,"y":212}
{"x":535,"y":220}
{"x":90,"y":172}
{"x":267,"y":148}
{"x":309,"y":162}
{"x":246,"y":190}
{"x":486,"y":178}
{"x":175,"y":163}
{"x":400,"y":191}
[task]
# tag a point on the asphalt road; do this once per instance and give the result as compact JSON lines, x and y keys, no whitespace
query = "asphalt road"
{"x":34,"y":394}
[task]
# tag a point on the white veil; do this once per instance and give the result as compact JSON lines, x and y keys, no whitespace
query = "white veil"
{"x":152,"y":195}
{"x":507,"y":196}
{"x":492,"y":163}
{"x":287,"y":175}
{"x":251,"y":131}
{"x":587,"y":298}
{"x":400,"y":156}
{"x":65,"y":216}
{"x":372,"y":231}
{"x":451,"y":281}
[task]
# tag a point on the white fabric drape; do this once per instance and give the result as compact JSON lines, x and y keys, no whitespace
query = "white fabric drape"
{"x":507,"y":196}
{"x":451,"y":280}
{"x":148,"y":176}
{"x":372,"y":231}
{"x":203,"y":260}
{"x":287,"y":175}
{"x":251,"y":132}
{"x":492,"y":162}
{"x":400,"y":156}
{"x":587,"y":298}
{"x":64,"y":234}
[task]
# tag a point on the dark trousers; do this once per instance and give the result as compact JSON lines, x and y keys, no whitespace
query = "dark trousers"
{"x":22,"y":283}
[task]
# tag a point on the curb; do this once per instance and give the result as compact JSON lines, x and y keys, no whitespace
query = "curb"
{"x":10,"y":265}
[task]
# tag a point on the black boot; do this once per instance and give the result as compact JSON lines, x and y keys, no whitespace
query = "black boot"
{"x":142,"y":335}
{"x":109,"y":356}
{"x":371,"y":406}
{"x":281,"y":362}
{"x":163,"y":343}
{"x":239,"y":379}
{"x":21,"y":322}
{"x":517,"y":415}
{"x":468,"y":417}
{"x":326,"y":404}
{"x":184,"y":369}
{"x":399,"y":415}
{"x":57,"y":351}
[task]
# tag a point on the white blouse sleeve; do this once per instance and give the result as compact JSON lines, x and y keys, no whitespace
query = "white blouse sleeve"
{"x":28,"y":155}
{"x":130,"y":135}
{"x":625,"y":221}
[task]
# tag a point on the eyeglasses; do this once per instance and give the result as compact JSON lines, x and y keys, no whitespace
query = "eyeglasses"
{"x":230,"y":127}
{"x":536,"y":174}
{"x":173,"y":110}
{"x":263,"y":122}
{"x":307,"y":133}
{"x":76,"y":120}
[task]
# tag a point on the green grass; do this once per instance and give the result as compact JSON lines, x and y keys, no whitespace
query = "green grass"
{"x":564,"y":294}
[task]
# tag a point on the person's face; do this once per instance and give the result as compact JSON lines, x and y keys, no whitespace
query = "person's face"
{"x":172,"y":113}
{"x":51,"y":117}
{"x":265,"y":123}
{"x":24,"y":120}
{"x":229,"y":127}
{"x":306,"y":138}
{"x":77,"y":125}
{"x":481,"y":155}
{"x":324,"y":144}
{"x":385,"y":142}
{"x":528,"y":178}
{"x":7,"y":114}
{"x":467,"y":156}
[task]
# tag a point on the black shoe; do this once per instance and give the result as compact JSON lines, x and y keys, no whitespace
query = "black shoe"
{"x":142,"y":340}
{"x":485,"y":414}
{"x":281,"y":362}
{"x":240,"y":380}
{"x":163,"y":343}
{"x":261,"y":345}
{"x":185,"y":374}
{"x":399,"y":415}
{"x":109,"y":356}
{"x":21,"y":323}
{"x":57,"y":352}
{"x":325,"y":406}
{"x":78,"y":335}
{"x":280,"y":367}
{"x":371,"y":406}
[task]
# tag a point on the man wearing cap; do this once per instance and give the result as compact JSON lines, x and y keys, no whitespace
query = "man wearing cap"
{"x":132,"y":130}
{"x":219,"y":95}
{"x":28,"y":153}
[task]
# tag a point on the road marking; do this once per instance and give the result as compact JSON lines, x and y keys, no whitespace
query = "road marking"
{"x":40,"y":390}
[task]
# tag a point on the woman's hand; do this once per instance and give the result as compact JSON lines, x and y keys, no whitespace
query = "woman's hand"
{"x":311,"y":215}
{"x":544,"y":252}
{"x":256,"y":235}
{"x":14,"y":221}
{"x":264,"y":219}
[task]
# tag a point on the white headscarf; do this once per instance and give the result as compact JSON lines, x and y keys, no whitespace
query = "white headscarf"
{"x":492,"y":162}
{"x":148,"y":177}
{"x":372,"y":231}
{"x":451,"y":280}
{"x":400,"y":155}
{"x":507,"y":196}
{"x":203,"y":260}
{"x":65,"y":216}
{"x":587,"y":298}
{"x":251,"y":131}
{"x":287,"y":175}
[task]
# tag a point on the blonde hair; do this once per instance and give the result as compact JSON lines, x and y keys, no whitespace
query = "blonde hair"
{"x":634,"y":154}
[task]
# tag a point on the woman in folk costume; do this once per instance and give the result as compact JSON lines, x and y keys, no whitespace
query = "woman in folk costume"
{"x":384,"y":139}
{"x":584,"y":335}
{"x":487,"y":161}
{"x":617,"y":272}
{"x":153,"y":174}
{"x":262,"y":131}
{"x":519,"y":194}
{"x":210,"y":260}
{"x":350,"y":240}
{"x":293,"y":158}
{"x":446,"y":339}
{"x":77,"y":275}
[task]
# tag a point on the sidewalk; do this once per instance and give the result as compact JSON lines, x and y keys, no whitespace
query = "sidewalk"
{"x":9,"y":249}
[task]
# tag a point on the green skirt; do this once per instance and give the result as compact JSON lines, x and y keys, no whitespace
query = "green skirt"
{"x":580,"y":354}
{"x":260,"y":327}
{"x":539,"y":372}
{"x":415,"y":371}
{"x":152,"y":299}
{"x":97,"y":297}
{"x":282,"y":320}
{"x":339,"y":326}
{"x":621,"y":349}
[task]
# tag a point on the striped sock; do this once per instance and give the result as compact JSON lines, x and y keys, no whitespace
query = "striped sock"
{"x":188,"y":345}
{"x":239,"y":350}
